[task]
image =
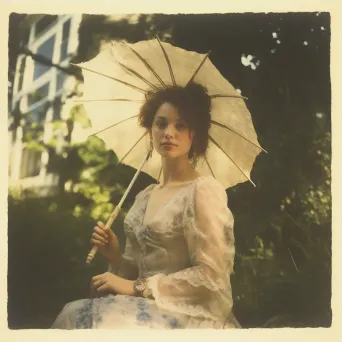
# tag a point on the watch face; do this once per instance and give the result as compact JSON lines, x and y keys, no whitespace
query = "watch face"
{"x":140,"y":285}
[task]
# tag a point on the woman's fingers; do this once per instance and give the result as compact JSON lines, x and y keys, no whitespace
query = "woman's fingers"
{"x":97,"y":243}
{"x":99,"y":276}
{"x":105,"y":232}
{"x":98,"y":283}
{"x":100,"y":231}
{"x":104,"y":287}
{"x":101,"y":225}
{"x":98,"y":280}
{"x":97,"y":237}
{"x":105,"y":229}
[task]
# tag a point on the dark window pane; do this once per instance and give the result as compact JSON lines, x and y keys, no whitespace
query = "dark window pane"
{"x":61,"y":78}
{"x":46,"y":51}
{"x":44,"y":23}
{"x":65,"y":39}
{"x":66,"y":30}
{"x":64,"y":50}
{"x":21,"y":73}
{"x":30,"y":163}
{"x":38,"y":94}
{"x":37,"y":114}
{"x":57,"y":107}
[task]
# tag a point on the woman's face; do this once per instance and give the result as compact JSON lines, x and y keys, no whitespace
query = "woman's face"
{"x":170,"y":134}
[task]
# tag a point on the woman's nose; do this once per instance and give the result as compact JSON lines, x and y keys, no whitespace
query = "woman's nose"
{"x":169,"y":131}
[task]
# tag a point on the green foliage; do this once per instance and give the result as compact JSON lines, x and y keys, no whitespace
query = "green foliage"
{"x":33,"y":132}
{"x":78,"y":114}
{"x":47,"y":250}
{"x":35,"y":146}
{"x":282,"y":227}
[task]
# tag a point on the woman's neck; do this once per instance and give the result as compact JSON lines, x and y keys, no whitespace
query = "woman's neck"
{"x":178,"y":170}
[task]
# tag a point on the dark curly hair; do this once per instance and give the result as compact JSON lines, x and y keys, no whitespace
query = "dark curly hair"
{"x":193,"y":104}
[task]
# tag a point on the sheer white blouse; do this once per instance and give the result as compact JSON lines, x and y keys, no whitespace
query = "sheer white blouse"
{"x":181,"y":239}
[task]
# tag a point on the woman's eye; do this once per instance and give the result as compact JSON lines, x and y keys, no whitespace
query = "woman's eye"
{"x":182,"y":126}
{"x":161,"y":124}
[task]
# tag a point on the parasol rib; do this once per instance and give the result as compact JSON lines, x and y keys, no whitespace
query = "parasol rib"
{"x":129,"y":70}
{"x":138,"y":76}
{"x":118,"y":123}
{"x":112,"y":78}
{"x":240,"y":135}
{"x":148,"y":66}
{"x":168,"y":63}
{"x":217,"y":96}
{"x":106,"y":100}
{"x":199,"y":67}
{"x":212,"y":172}
{"x":130,"y":150}
{"x":161,"y":169}
{"x":217,"y":145}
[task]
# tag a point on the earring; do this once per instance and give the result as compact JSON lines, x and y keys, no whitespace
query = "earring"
{"x":194,"y":160}
{"x":151,"y":148}
{"x":193,"y":155}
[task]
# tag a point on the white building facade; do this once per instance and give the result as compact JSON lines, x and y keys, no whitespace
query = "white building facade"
{"x":35,"y":86}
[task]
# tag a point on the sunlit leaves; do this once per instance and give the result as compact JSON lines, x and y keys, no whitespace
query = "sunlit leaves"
{"x":33,"y":131}
{"x":77,"y":113}
{"x":35,"y":146}
{"x":250,"y":61}
{"x":101,"y":211}
{"x":94,"y":153}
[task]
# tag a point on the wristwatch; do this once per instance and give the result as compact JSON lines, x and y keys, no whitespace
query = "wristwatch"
{"x":140,"y":288}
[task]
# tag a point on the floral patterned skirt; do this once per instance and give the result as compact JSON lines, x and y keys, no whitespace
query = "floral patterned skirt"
{"x":117,"y":311}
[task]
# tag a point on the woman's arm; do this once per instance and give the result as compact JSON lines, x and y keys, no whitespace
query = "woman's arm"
{"x":119,"y":278}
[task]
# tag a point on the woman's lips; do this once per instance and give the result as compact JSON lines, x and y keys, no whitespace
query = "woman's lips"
{"x":168,"y":145}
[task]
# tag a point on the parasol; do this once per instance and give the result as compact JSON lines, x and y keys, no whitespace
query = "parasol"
{"x":116,"y":83}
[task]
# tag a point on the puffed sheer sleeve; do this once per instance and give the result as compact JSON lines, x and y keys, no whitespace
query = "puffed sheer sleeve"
{"x":202,"y":290}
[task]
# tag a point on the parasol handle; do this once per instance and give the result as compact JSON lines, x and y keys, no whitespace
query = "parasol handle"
{"x":116,"y":211}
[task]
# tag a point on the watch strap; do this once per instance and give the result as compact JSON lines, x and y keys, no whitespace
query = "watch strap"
{"x":141,"y":289}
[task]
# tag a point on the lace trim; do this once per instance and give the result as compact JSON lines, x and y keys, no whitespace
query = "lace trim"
{"x":135,"y":216}
{"x":196,"y":277}
{"x":194,"y":310}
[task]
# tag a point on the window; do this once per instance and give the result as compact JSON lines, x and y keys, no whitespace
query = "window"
{"x":61,"y":78}
{"x":37,"y":114}
{"x":21,"y":73}
{"x":31,"y":159}
{"x":30,"y":163}
{"x":57,"y":107}
{"x":44,"y":24}
{"x":39,"y":94}
{"x":65,"y":40}
{"x":46,"y":51}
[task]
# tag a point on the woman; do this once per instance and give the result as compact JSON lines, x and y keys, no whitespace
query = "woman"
{"x":179,"y":253}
